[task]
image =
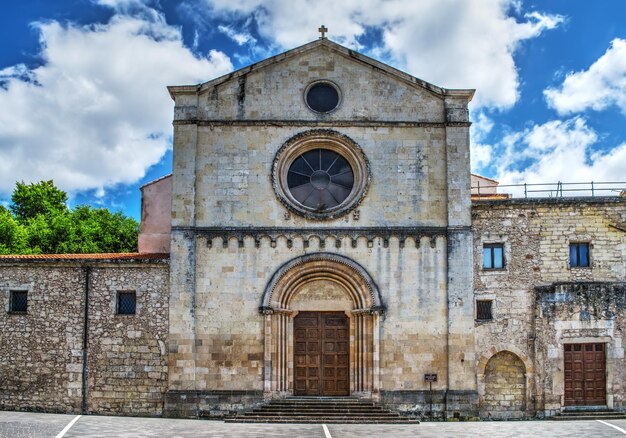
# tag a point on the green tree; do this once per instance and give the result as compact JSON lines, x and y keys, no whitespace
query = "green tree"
{"x":99,"y":230}
{"x":40,"y":222}
{"x":30,"y":200}
{"x":13,"y":235}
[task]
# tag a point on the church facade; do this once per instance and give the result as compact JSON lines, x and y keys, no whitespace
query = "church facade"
{"x":318,"y":237}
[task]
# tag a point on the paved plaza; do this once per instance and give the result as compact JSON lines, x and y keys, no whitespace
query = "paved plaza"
{"x":36,"y":425}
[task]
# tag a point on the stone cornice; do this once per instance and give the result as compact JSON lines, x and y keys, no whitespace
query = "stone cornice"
{"x":323,"y":123}
{"x":465,"y":94}
{"x":321,"y":233}
{"x":533,"y":202}
{"x":65,"y":263}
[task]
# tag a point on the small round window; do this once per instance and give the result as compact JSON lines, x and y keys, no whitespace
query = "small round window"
{"x":322,"y":97}
{"x":320,"y":179}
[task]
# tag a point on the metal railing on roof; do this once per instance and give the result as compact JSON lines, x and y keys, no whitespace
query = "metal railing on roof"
{"x":552,"y":190}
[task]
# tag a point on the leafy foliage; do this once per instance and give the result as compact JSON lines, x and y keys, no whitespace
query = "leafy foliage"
{"x":39,"y":222}
{"x":42,"y":198}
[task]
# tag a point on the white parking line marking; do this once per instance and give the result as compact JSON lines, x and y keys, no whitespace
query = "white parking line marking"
{"x":70,"y":424}
{"x":613,"y":426}
{"x":326,"y":432}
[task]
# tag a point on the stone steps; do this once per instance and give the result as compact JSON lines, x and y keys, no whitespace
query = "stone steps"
{"x":320,"y":410}
{"x":592,"y":414}
{"x":324,"y":414}
{"x":327,"y":420}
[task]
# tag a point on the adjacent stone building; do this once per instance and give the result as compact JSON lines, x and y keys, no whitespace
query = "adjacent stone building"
{"x":321,"y":240}
{"x":557,"y":304}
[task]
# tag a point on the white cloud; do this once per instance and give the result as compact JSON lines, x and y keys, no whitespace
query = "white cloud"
{"x":602,"y":85}
{"x":558,"y":151}
{"x":240,"y":38}
{"x":452,"y":43}
{"x":96,"y":112}
{"x":480,"y":153}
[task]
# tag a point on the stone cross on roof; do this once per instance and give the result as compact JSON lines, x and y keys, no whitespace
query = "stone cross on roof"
{"x":323,"y":31}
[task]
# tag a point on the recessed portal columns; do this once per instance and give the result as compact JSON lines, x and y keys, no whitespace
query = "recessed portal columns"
{"x":321,"y":282}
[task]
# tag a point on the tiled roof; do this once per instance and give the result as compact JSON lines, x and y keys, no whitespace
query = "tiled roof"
{"x":103,"y":256}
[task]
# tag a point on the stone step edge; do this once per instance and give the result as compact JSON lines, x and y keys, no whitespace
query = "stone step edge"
{"x":322,"y":403}
{"x":582,"y":418}
{"x":321,"y":414}
{"x":587,"y":414}
{"x":329,"y":408}
{"x":327,"y":421}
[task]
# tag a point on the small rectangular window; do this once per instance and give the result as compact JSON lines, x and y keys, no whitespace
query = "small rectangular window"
{"x":18,"y":301}
{"x":126,"y":303}
{"x":483,"y":310}
{"x":493,"y":256}
{"x":579,"y":255}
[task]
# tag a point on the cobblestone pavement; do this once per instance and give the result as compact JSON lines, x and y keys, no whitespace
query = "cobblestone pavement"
{"x":35,"y":425}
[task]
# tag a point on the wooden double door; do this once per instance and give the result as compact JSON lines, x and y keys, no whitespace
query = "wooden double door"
{"x":321,"y":354}
{"x":585,"y":374}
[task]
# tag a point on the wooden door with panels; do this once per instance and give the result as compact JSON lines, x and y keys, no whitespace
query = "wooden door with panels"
{"x":585,"y":374}
{"x":321,"y":354}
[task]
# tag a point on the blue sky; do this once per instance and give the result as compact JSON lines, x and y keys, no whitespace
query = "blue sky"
{"x":83,"y":98}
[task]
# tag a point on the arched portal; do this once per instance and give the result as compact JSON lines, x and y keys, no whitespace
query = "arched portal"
{"x":505,"y":387}
{"x":321,"y":284}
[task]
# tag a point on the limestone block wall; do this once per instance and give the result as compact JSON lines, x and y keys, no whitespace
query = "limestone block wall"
{"x":41,"y":362}
{"x":275,"y":90}
{"x":127,"y":357}
{"x":590,"y":312}
{"x":505,"y":384}
{"x":228,"y":131}
{"x":225,"y":178}
{"x":218,"y":345}
{"x":536,"y":235}
{"x":41,"y":351}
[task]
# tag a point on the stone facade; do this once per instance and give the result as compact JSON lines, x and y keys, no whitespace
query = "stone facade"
{"x":42,"y":351}
{"x":213,"y":331}
{"x":540,"y":302}
{"x":409,"y":235}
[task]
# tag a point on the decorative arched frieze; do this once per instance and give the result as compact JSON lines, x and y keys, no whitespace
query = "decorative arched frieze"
{"x":273,"y":234}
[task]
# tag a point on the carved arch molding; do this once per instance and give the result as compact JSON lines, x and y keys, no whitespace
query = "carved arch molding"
{"x":279,"y":312}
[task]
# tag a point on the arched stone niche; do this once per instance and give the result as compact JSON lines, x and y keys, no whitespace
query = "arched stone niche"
{"x":321,"y":282}
{"x":505,"y":381}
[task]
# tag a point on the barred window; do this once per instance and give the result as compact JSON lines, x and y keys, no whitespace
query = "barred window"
{"x":126,"y":303}
{"x":579,"y":255}
{"x":493,"y":256}
{"x":484,"y":310}
{"x":18,"y":301}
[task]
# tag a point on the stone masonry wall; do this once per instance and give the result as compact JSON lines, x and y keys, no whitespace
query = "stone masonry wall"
{"x":127,"y":358}
{"x":225,"y":146}
{"x":577,"y":312}
{"x":226,"y":353}
{"x":505,"y":383}
{"x":536,"y":235}
{"x":41,"y":351}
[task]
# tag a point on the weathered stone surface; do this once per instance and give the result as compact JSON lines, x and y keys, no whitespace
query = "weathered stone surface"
{"x":505,"y":387}
{"x":214,"y":332}
{"x":41,"y":351}
{"x":410,"y":234}
{"x":539,"y":302}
